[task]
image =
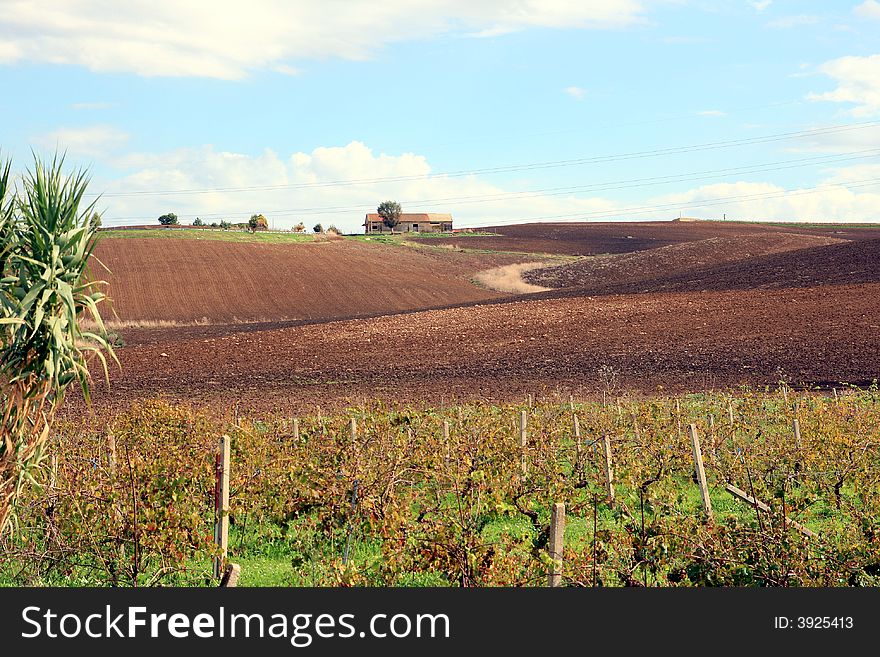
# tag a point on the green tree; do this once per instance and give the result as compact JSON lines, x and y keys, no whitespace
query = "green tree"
{"x":198,"y":222}
{"x":318,"y":228}
{"x":258,"y":222}
{"x":389,"y":211}
{"x":299,"y":228}
{"x":46,"y":242}
{"x":225,"y":225}
{"x":169,"y":219}
{"x":95,"y":222}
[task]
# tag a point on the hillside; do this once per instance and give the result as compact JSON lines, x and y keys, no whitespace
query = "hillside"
{"x":646,"y":267}
{"x":842,"y":263}
{"x":594,"y":238}
{"x":503,"y":351}
{"x":156,"y":282}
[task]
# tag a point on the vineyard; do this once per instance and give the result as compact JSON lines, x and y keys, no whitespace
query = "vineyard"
{"x":462,"y":496}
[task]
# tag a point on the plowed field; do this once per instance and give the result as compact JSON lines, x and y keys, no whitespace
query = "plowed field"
{"x":626,"y":237}
{"x":647,"y":267}
{"x":741,"y":311}
{"x":159,"y":282}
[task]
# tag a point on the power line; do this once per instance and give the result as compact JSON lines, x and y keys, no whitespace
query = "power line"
{"x":594,"y":187}
{"x":676,"y":150}
{"x":785,"y":193}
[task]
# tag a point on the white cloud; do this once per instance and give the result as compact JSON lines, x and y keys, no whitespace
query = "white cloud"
{"x":760,"y":5}
{"x":577,"y":93}
{"x":711,"y":113}
{"x":228,"y":39}
{"x":788,"y":22}
{"x":761,"y":201}
{"x":869,"y":9}
{"x":296,"y":188}
{"x":304,"y":186}
{"x":858,"y":82}
{"x":90,"y":141}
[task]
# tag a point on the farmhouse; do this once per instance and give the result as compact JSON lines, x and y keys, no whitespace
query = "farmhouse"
{"x":420,"y":222}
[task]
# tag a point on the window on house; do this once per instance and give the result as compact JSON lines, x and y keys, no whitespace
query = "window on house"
{"x":416,"y":228}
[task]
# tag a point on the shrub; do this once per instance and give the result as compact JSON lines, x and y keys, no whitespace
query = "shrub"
{"x":47,"y":241}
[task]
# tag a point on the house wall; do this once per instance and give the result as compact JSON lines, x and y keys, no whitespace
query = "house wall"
{"x":407,"y":227}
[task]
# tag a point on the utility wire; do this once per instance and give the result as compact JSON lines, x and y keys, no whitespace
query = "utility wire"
{"x":520,"y":167}
{"x":561,"y":191}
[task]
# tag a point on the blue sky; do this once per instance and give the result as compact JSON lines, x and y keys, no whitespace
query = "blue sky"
{"x":316,"y":111}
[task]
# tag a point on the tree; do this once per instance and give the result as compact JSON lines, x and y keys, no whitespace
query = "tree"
{"x":225,"y":225}
{"x":390,"y":213}
{"x":299,"y":228}
{"x":95,"y":221}
{"x":169,"y":219}
{"x":198,"y":222}
{"x":332,"y":229}
{"x":46,"y":242}
{"x":258,"y":222}
{"x":318,"y":228}
{"x":214,"y":224}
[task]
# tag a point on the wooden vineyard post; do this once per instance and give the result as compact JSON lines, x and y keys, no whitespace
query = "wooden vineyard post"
{"x":531,"y":400}
{"x":796,"y":430}
{"x":353,"y":428}
{"x":748,"y":499}
{"x":230,"y":576}
{"x":557,"y":544}
{"x":836,"y":398}
{"x":221,"y":507}
{"x":117,"y":512}
{"x":523,"y":443}
{"x":295,"y":429}
{"x":713,"y":442}
{"x":609,"y":470}
{"x":678,"y":417}
{"x":730,"y":412}
{"x":571,"y":402}
{"x":111,"y":456}
{"x":577,"y":432}
{"x":701,"y":472}
{"x":446,"y":438}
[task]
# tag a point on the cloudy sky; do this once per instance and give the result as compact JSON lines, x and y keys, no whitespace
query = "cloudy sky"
{"x":496,"y":111}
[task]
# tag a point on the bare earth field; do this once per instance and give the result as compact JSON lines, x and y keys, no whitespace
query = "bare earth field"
{"x":750,"y":310}
{"x":625,"y":237}
{"x":162,"y":282}
{"x":501,"y":351}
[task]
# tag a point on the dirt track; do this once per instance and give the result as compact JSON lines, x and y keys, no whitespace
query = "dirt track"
{"x":501,"y":351}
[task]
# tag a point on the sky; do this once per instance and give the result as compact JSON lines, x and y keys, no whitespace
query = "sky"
{"x":495,"y":111}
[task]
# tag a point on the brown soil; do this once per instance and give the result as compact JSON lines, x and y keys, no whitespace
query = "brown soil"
{"x":835,"y":264}
{"x":645,"y":267}
{"x":185,"y":281}
{"x":808,"y":315}
{"x":625,"y":237}
{"x":691,"y":341}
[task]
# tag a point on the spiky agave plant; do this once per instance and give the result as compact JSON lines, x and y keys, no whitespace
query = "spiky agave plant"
{"x":47,"y":241}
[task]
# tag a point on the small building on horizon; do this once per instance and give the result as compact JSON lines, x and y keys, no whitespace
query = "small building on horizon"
{"x":410,"y":222}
